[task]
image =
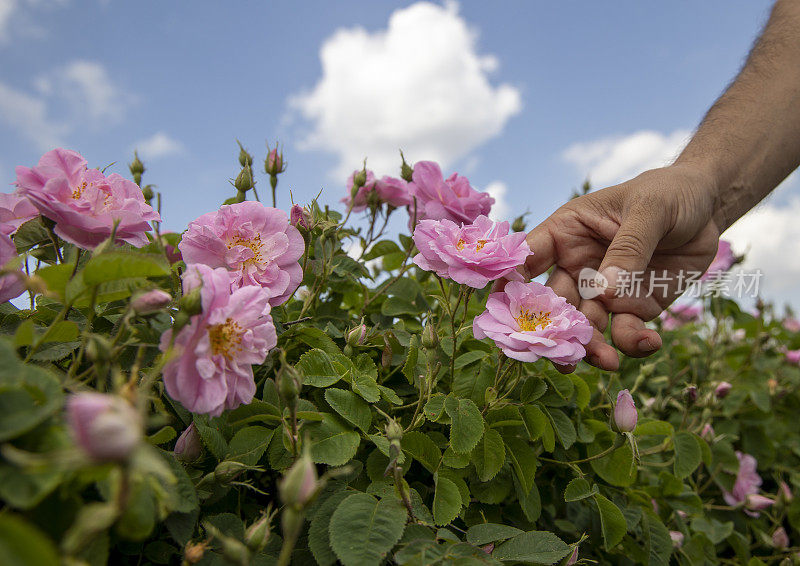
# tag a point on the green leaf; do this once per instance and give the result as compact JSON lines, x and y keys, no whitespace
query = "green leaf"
{"x":410,"y":367}
{"x":111,"y":266}
{"x":455,"y":460}
{"x":561,"y":383}
{"x":484,"y":533}
{"x":563,"y":426}
{"x":538,"y":547}
{"x":489,"y":455}
{"x":56,"y":277}
{"x":350,"y":406}
{"x":617,"y":468}
{"x":389,"y":395}
{"x":535,"y":421}
{"x":249,"y":444}
{"x":363,"y":530}
{"x":687,"y":454}
{"x":579,"y":489}
{"x":582,"y":393}
{"x":434,"y":408}
{"x":423,"y":449}
{"x":658,"y":543}
{"x":22,"y":544}
{"x":319,"y":540}
{"x":382,"y":248}
{"x":396,"y":306}
{"x":612,"y":521}
{"x":466,"y":428}
{"x":332,"y":442}
{"x":446,"y":501}
{"x":316,"y":338}
{"x":523,"y":461}
{"x":716,"y":531}
{"x":530,"y":501}
{"x":211,"y":436}
{"x":469,"y":358}
{"x":650,"y":427}
{"x":317,"y":369}
{"x":364,"y":380}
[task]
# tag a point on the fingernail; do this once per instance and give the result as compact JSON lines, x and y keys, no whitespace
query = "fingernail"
{"x":645,"y":345}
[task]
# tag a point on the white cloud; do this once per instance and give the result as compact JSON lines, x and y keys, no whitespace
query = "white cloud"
{"x":7,"y":8}
{"x":21,"y":18}
{"x":500,"y":208}
{"x":611,"y":160}
{"x":158,"y":145}
{"x":418,"y":85}
{"x":80,"y":93}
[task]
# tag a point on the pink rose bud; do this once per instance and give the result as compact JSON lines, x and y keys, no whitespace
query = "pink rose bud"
{"x":708,"y":432}
{"x":682,"y":514}
{"x":257,"y":534}
{"x":298,"y":215}
{"x":573,"y":558}
{"x":723,"y":389}
{"x":188,"y":447}
{"x":357,"y":335}
{"x":273,"y":164}
{"x":151,"y":302}
{"x":690,"y":394}
{"x":625,"y":414}
{"x":780,"y":539}
{"x":791,"y":324}
{"x":785,"y":491}
{"x":106,"y":427}
{"x":677,"y":538}
{"x":299,"y":484}
{"x":756,"y":502}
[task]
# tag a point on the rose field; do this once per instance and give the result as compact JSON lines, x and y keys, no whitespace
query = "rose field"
{"x":308,"y":386}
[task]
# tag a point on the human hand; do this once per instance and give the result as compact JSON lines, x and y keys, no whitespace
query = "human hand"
{"x":659,"y":221}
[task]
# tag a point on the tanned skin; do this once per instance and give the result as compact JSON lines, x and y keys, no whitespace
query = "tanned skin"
{"x":671,"y":218}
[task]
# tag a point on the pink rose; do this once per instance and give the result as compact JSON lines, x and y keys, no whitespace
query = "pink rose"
{"x":745,"y":489}
{"x":721,"y":263}
{"x":791,"y":324}
{"x":84,"y":203}
{"x":213,"y":369}
{"x":722,"y":389}
{"x":529,"y":321}
{"x":708,"y":432}
{"x":11,"y":285}
{"x":451,"y":199}
{"x":15,"y":210}
{"x":780,"y":539}
{"x":470,"y":254}
{"x":625,"y":413}
{"x":255,"y":243}
{"x":392,"y":191}
{"x":678,"y":315}
{"x":106,"y":427}
{"x":359,"y":201}
{"x":792,"y":356}
{"x":677,"y":538}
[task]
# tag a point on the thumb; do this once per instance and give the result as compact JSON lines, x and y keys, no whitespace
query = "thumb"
{"x":631,"y":249}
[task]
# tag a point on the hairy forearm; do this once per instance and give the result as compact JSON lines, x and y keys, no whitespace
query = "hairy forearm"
{"x":750,"y":139}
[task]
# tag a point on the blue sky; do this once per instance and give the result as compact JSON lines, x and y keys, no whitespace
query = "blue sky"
{"x":533,"y":96}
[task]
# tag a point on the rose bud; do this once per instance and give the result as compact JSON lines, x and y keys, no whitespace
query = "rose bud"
{"x":244,"y":181}
{"x":785,"y":491}
{"x":625,"y":414}
{"x":573,"y":558}
{"x":299,"y":216}
{"x":106,"y":427}
{"x":357,"y":335}
{"x":273,"y":164}
{"x":722,"y":389}
{"x":780,"y":539}
{"x":188,"y":447}
{"x":677,"y":538}
{"x":708,"y":432}
{"x":245,"y":159}
{"x":430,"y":339}
{"x":406,"y":171}
{"x":757,"y":502}
{"x":690,"y":394}
{"x":150,"y":302}
{"x":299,"y":484}
{"x":257,"y":534}
{"x":193,"y":552}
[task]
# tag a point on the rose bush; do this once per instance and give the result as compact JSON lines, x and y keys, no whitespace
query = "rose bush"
{"x":251,"y":393}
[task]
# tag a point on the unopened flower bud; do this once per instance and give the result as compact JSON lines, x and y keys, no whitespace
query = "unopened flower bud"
{"x":228,"y":470}
{"x":244,"y":182}
{"x":780,"y":539}
{"x":257,"y":534}
{"x":708,"y":432}
{"x":148,"y":193}
{"x":232,"y":549}
{"x":274,"y":164}
{"x":573,"y":558}
{"x":150,"y":302}
{"x":193,"y":552}
{"x":360,"y":179}
{"x":690,"y":394}
{"x":299,"y":216}
{"x":519,"y":224}
{"x":406,"y":171}
{"x":625,"y":414}
{"x":393,"y":430}
{"x":98,"y":348}
{"x":191,"y":303}
{"x":188,"y":447}
{"x":106,"y":427}
{"x":289,"y":384}
{"x":430,"y":339}
{"x":299,"y":484}
{"x":357,"y":335}
{"x":722,"y":389}
{"x":137,"y":168}
{"x":245,"y":159}
{"x":677,"y":538}
{"x":785,"y":491}
{"x":756,"y":502}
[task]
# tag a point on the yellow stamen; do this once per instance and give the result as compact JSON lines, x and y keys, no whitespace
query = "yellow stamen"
{"x":225,"y":338}
{"x":529,"y":321}
{"x":78,"y":191}
{"x":253,"y":243}
{"x":480,"y":244}
{"x":460,"y":244}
